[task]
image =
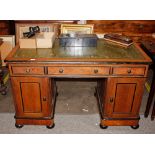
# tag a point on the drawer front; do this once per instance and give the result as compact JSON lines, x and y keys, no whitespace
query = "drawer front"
{"x":27,"y":70}
{"x":131,"y":71}
{"x":78,"y":70}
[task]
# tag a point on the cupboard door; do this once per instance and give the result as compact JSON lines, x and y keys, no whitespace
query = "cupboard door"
{"x":32,"y":96}
{"x":124,"y":97}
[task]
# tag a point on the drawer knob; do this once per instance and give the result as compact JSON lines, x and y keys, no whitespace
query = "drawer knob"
{"x":129,"y":71}
{"x":44,"y":99}
{"x":111,"y":99}
{"x":28,"y":70}
{"x":95,"y":71}
{"x":61,"y":70}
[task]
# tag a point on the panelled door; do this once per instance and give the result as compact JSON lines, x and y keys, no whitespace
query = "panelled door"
{"x":123,"y":97}
{"x":32,"y":96}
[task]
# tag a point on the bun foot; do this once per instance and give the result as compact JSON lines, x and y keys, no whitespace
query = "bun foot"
{"x":50,"y":126}
{"x":103,"y":127}
{"x":18,"y":126}
{"x":135,"y":127}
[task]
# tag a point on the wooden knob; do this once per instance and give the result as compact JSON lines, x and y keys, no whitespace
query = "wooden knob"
{"x":129,"y":71}
{"x":111,"y":99}
{"x":28,"y":70}
{"x":61,"y":70}
{"x":95,"y":71}
{"x":44,"y":99}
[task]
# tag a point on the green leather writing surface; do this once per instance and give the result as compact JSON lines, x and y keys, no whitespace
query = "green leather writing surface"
{"x":104,"y":50}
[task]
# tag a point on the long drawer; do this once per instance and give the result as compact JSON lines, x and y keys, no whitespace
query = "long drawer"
{"x":18,"y":70}
{"x":76,"y":70}
{"x":129,"y":71}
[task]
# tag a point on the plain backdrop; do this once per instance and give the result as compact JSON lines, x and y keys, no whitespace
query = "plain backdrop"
{"x":77,"y":10}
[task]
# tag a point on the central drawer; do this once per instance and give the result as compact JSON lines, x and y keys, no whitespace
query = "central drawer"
{"x":76,"y":70}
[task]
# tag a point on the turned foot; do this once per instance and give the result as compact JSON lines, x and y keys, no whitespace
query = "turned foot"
{"x":103,"y":127}
{"x":50,"y":126}
{"x":18,"y":126}
{"x":135,"y":127}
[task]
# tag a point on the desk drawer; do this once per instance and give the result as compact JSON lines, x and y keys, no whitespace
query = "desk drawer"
{"x":27,"y":70}
{"x":131,"y":71}
{"x":76,"y":70}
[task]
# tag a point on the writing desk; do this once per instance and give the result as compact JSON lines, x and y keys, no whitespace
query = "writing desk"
{"x":120,"y":73}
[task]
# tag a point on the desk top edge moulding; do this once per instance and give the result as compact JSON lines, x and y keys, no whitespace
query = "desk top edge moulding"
{"x":120,"y":74}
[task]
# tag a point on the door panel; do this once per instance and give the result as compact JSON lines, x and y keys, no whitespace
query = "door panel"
{"x":31,"y":100}
{"x":124,"y":97}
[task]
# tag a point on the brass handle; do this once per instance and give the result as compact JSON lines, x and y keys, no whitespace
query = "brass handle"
{"x":95,"y":70}
{"x":28,"y":70}
{"x":61,"y":70}
{"x":44,"y":99}
{"x":111,"y":99}
{"x":129,"y":71}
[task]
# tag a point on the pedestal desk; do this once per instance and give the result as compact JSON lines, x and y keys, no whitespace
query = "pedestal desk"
{"x":120,"y":74}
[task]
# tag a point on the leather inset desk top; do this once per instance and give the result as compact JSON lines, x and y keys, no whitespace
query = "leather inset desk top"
{"x":104,"y":52}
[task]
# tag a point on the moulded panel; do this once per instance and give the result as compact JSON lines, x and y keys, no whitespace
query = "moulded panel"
{"x":31,"y":97}
{"x":124,"y":98}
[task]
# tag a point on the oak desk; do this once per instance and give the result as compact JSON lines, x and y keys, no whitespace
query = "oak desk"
{"x":120,"y":74}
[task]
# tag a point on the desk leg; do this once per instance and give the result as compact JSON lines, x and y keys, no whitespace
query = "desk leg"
{"x":151,"y":94}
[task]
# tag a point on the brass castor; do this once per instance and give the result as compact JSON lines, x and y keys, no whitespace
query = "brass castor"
{"x":135,"y":127}
{"x":50,"y":126}
{"x":18,"y":126}
{"x":103,"y":127}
